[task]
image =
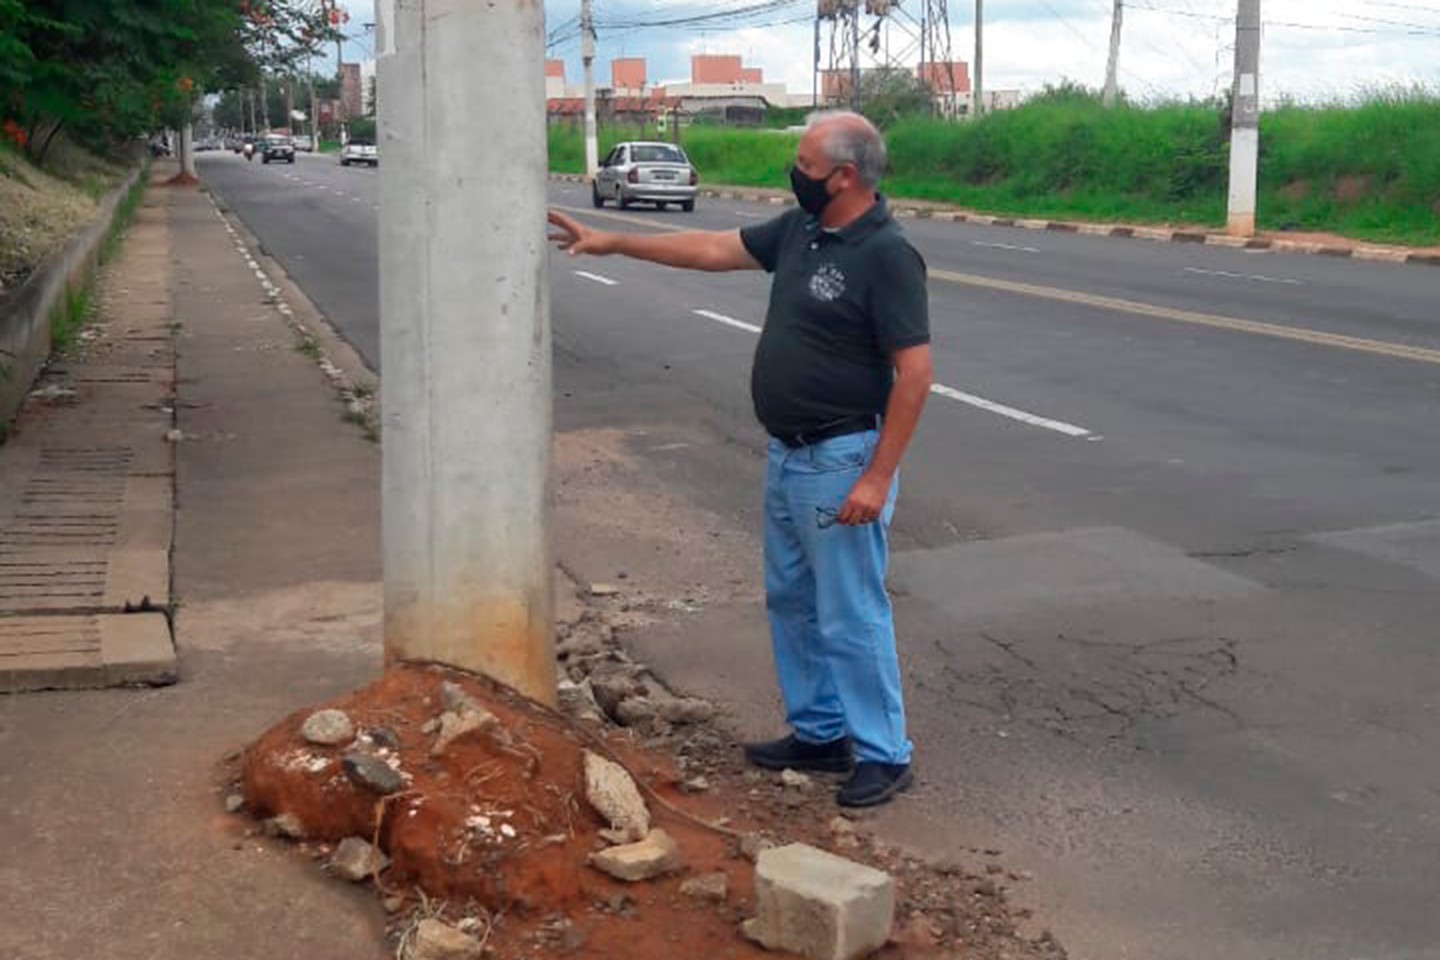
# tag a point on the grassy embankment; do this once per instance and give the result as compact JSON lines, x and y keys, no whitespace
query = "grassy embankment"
{"x":1369,"y":170}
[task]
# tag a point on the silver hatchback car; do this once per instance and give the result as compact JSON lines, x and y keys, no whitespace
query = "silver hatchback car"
{"x":646,"y":172}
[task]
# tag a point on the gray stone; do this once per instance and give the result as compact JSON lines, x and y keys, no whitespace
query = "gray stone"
{"x":604,"y":590}
{"x":454,"y":725}
{"x":385,"y":737}
{"x":614,"y":795}
{"x":634,"y":711}
{"x":714,"y":887}
{"x":819,"y":905}
{"x":435,"y":940}
{"x":695,"y":785}
{"x":612,"y":683}
{"x":285,"y":825}
{"x":683,"y":710}
{"x":458,"y":700}
{"x":328,"y":728}
{"x":234,"y":803}
{"x":655,"y":856}
{"x":392,"y":904}
{"x":578,"y":700}
{"x":372,"y":773}
{"x":842,"y":826}
{"x":355,"y":859}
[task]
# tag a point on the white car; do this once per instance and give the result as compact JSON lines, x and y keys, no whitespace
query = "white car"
{"x":303,"y":143}
{"x":359,"y":150}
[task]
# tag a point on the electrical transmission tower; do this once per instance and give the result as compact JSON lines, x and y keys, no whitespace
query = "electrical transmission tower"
{"x":885,"y":36}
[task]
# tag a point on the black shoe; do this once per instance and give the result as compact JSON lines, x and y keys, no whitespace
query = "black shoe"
{"x":792,"y":753}
{"x":874,"y":784}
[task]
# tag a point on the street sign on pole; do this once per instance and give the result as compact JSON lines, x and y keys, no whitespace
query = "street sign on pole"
{"x":465,"y":342}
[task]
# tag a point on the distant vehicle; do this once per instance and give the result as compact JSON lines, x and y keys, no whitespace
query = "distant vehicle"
{"x":277,"y":148}
{"x":304,"y":143}
{"x":646,"y":172}
{"x":239,"y":145}
{"x":360,"y":150}
{"x":207,"y":145}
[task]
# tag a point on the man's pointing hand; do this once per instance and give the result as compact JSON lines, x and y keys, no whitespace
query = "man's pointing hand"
{"x":575,"y":239}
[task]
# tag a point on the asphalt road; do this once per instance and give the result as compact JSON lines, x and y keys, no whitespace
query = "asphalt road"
{"x":1166,"y":557}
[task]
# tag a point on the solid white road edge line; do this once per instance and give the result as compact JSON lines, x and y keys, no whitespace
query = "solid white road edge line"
{"x":950,"y":393}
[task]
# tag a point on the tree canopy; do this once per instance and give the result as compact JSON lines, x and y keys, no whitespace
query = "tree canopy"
{"x":111,"y":70}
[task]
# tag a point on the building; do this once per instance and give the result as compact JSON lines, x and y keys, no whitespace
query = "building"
{"x":627,"y":76}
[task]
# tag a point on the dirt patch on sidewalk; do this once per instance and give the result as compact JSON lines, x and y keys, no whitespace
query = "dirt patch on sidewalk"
{"x":492,"y":832}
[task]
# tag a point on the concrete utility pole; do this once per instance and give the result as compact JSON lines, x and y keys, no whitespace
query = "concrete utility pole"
{"x":587,"y":57}
{"x":1245,"y":121}
{"x":465,"y":340}
{"x":187,"y":148}
{"x":1112,"y":67}
{"x":979,"y":57}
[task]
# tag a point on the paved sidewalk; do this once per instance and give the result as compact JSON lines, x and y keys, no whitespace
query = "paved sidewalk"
{"x":86,"y":500}
{"x":115,"y":842}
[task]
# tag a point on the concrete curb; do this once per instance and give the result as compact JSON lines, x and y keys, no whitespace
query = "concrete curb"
{"x":909,"y":211}
{"x":25,"y":315}
{"x":357,"y":386}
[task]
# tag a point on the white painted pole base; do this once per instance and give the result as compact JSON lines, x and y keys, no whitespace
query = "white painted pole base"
{"x":1244,"y":171}
{"x":465,"y":341}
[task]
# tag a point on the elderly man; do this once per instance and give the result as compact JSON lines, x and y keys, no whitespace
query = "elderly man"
{"x":840,"y":376}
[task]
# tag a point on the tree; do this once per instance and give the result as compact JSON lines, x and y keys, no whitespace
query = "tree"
{"x":890,"y":94}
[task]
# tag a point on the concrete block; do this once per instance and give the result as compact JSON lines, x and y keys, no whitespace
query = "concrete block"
{"x":819,"y":905}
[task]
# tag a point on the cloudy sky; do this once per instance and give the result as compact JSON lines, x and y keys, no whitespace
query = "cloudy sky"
{"x":1313,"y":49}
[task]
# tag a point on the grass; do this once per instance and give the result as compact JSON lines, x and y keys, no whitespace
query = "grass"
{"x":1369,"y":169}
{"x":70,"y":316}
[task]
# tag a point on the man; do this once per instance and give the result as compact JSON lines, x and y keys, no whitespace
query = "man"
{"x":841,"y":374}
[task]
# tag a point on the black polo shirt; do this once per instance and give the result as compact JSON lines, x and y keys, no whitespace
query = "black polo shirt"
{"x":841,"y":303}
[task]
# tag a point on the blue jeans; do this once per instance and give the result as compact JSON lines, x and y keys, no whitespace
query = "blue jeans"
{"x":830,"y":619}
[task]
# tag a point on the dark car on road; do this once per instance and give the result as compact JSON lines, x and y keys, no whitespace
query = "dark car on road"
{"x":277,"y":148}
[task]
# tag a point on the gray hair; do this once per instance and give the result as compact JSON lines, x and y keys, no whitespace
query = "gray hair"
{"x":850,"y":138}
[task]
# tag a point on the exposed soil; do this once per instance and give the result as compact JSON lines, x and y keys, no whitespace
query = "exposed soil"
{"x":496,"y":828}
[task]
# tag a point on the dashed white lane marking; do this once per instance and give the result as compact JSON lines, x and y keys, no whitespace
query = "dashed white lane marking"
{"x":728,"y":321}
{"x":748,"y":215}
{"x":950,"y":393}
{"x":1003,"y":246}
{"x":596,"y":277}
{"x":1034,"y":420}
{"x":1245,"y":276}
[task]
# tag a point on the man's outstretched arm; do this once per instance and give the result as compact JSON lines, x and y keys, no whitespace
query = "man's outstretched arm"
{"x":714,"y":251}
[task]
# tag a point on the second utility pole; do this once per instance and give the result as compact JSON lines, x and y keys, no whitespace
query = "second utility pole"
{"x":979,"y":58}
{"x":1245,"y":122}
{"x":1112,"y":67}
{"x":587,"y":57}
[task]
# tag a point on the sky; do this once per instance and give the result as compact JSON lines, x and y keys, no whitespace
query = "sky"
{"x":1314,"y":50}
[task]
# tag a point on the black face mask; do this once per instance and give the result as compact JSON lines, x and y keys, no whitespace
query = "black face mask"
{"x":810,"y":192}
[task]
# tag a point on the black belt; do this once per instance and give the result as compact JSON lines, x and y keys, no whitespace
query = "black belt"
{"x":840,"y":428}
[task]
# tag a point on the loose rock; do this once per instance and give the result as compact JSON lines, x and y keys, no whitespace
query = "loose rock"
{"x":694,"y":785}
{"x":683,"y":710}
{"x":435,"y":940}
{"x":457,"y":700}
{"x":285,"y":825}
{"x":328,"y":728}
{"x":604,"y":590}
{"x":634,"y":711}
{"x":355,"y":859}
{"x":842,"y":827}
{"x":794,"y":780}
{"x":655,"y":856}
{"x":819,"y":905}
{"x":714,"y":887}
{"x":392,"y":904}
{"x":234,"y":803}
{"x":455,"y":725}
{"x":385,"y":737}
{"x":372,"y":773}
{"x":578,"y":700}
{"x":613,"y":794}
